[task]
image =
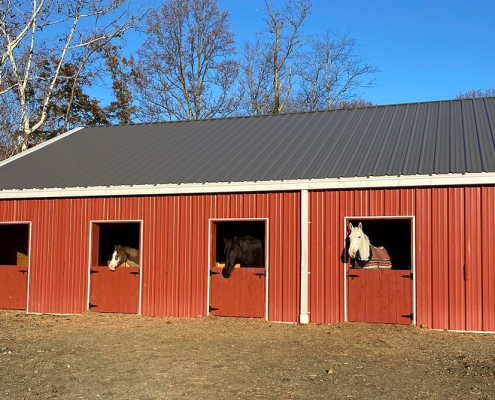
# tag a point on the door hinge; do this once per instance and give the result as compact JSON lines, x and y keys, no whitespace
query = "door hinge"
{"x":410,"y":316}
{"x":409,"y":276}
{"x":352,"y":276}
{"x":91,"y":305}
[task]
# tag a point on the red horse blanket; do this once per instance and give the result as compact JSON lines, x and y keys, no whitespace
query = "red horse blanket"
{"x":379,"y":259}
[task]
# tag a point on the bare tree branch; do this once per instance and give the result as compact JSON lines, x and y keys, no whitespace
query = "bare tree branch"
{"x":284,"y":38}
{"x":186,"y":68}
{"x":36,"y":33}
{"x":330,"y":71}
{"x":473,"y":94}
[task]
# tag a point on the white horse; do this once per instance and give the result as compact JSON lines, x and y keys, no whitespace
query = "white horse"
{"x":123,"y":254}
{"x":365,"y":255}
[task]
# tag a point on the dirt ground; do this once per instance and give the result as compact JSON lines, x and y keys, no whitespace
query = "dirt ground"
{"x":113,"y":356}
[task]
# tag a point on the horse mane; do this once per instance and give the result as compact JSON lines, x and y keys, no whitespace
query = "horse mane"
{"x":131,"y":253}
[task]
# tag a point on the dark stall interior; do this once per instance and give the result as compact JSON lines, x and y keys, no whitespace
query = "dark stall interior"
{"x":118,"y":233}
{"x":394,"y":235}
{"x":229,"y":229}
{"x":15,"y":244}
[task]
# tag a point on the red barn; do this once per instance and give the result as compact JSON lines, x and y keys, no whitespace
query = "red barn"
{"x":419,"y":177}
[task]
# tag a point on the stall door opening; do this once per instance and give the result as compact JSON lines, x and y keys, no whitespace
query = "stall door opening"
{"x":14,"y":264}
{"x":241,"y":293}
{"x":382,"y":295}
{"x":114,"y":291}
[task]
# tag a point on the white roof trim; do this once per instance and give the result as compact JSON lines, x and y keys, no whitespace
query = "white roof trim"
{"x":484,"y":178}
{"x":39,"y":146}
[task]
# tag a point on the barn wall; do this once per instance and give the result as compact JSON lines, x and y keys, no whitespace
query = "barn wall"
{"x":175,"y":248}
{"x":455,"y":227}
{"x":174,"y":290}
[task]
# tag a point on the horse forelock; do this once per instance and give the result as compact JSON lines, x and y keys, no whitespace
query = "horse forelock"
{"x":230,"y":251}
{"x":232,"y":244}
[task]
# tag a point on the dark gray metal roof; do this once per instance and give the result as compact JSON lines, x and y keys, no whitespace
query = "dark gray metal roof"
{"x":443,"y":137}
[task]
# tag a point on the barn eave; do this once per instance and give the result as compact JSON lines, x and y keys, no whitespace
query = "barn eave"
{"x":340,"y":183}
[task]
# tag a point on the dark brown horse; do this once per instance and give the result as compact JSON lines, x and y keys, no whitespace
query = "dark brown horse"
{"x":245,"y":250}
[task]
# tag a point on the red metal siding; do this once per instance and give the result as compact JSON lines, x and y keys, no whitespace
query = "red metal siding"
{"x":455,"y":232}
{"x":487,"y":256}
{"x":174,"y":248}
{"x":283,"y":213}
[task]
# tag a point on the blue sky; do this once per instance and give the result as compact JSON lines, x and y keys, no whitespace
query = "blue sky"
{"x":425,"y":49}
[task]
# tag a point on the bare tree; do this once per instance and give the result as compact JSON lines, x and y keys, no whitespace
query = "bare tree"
{"x":256,"y":80}
{"x":284,"y":38}
{"x":185,"y":68}
{"x":267,"y":76}
{"x":356,"y":103}
{"x":37,"y":39}
{"x":473,"y":94}
{"x":330,"y":71}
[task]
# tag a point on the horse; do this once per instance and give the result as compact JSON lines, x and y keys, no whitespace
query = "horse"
{"x":123,"y":254}
{"x":245,"y":250}
{"x":365,"y":255}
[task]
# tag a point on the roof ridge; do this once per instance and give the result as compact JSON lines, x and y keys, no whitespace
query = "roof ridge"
{"x":286,"y":114}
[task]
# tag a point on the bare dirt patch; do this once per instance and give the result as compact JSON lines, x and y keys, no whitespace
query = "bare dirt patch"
{"x":114,"y":356}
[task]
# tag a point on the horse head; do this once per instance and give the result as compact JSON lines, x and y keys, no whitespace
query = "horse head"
{"x":118,"y":257}
{"x":231,"y":249}
{"x":358,"y":240}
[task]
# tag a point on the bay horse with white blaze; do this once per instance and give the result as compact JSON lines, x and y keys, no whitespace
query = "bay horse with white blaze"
{"x":365,"y":255}
{"x":123,"y":254}
{"x":246,"y":250}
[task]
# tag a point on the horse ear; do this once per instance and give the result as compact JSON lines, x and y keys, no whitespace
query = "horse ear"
{"x":225,"y":240}
{"x":350,"y":226}
{"x":360,"y":226}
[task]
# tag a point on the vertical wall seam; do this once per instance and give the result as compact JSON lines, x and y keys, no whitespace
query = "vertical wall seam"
{"x":304,"y":312}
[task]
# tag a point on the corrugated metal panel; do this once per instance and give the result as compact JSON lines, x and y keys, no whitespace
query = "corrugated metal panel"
{"x":57,"y":250}
{"x":175,"y":248}
{"x":473,"y":263}
{"x":408,"y":139}
{"x":487,"y":257}
{"x":179,"y":278}
{"x":455,"y":232}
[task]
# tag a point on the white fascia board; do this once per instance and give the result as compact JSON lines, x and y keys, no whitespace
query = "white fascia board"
{"x":261,"y":186}
{"x":39,"y":146}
